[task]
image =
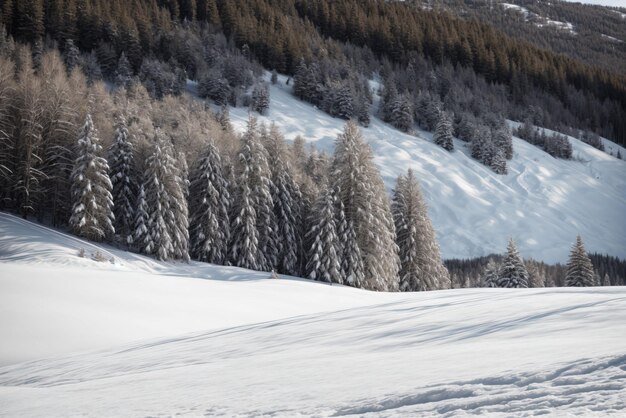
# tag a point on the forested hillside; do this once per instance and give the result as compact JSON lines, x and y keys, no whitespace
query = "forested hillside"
{"x":506,"y":74}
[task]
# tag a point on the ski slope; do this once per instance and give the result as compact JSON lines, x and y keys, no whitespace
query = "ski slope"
{"x":543,"y":203}
{"x":136,"y":337}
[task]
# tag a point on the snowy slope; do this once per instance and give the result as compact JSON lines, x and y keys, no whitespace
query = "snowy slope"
{"x":200,"y":340}
{"x":543,"y":202}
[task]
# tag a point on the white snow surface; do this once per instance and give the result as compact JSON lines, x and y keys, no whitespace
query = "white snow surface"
{"x":543,"y":203}
{"x":138,"y":337}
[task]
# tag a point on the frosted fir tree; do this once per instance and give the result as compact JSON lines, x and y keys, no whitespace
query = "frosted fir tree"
{"x":178,"y":216}
{"x":443,"y":132}
{"x":142,"y":238}
{"x":122,"y":163}
{"x":92,"y":204}
{"x":605,"y":280}
{"x":287,"y":200}
{"x":503,"y":140}
{"x":402,"y":113}
{"x":498,"y":162}
{"x":420,"y":259}
{"x":323,"y":257}
{"x":491,"y":274}
{"x":223,"y":117}
{"x":366,"y":203}
{"x":251,"y":227}
{"x":579,"y":268}
{"x":512,"y":272}
{"x":343,"y":105}
{"x":209,"y":205}
{"x":166,"y":203}
{"x":260,"y":99}
{"x":351,"y":259}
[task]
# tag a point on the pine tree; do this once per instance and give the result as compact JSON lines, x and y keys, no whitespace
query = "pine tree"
{"x":223,"y":118}
{"x":260,"y":99}
{"x":363,"y":195}
{"x":323,"y":256}
{"x":420,"y":260}
{"x":253,"y":227}
{"x":503,"y":140}
{"x":209,"y":206}
{"x":402,"y":113}
{"x":498,"y":162}
{"x":71,"y":55}
{"x":142,"y":238}
{"x":443,"y":132}
{"x":122,"y":163}
{"x":167,"y":206}
{"x":351,"y":259}
{"x":512,"y":272}
{"x":579,"y":268}
{"x":92,"y":210}
{"x":490,"y":277}
{"x":123,"y":73}
{"x":287,"y":201}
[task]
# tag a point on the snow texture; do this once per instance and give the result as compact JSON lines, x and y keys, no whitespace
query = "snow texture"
{"x":138,"y":337}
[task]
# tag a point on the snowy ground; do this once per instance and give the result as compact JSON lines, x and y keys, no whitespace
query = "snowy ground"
{"x":141,"y":338}
{"x":543,"y":203}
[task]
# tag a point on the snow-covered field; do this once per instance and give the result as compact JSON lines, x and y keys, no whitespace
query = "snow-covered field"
{"x":136,"y":337}
{"x":542,"y":203}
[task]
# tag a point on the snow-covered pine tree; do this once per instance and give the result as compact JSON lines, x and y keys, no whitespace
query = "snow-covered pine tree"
{"x":503,"y":140}
{"x":490,"y":276}
{"x":287,"y":201}
{"x":122,"y":173}
{"x":366,"y":203}
{"x":443,"y":132}
{"x":323,"y":257}
{"x":166,"y":203}
{"x":421,"y":265}
{"x":351,"y":260}
{"x":209,"y":205}
{"x":178,"y":190}
{"x":512,"y":272}
{"x":260,"y":98}
{"x":252,"y":229}
{"x":402,"y":113}
{"x":389,"y":98}
{"x":605,"y":280}
{"x":92,"y":203}
{"x":343,"y":105}
{"x":142,"y":238}
{"x":579,"y":268}
{"x":498,"y":162}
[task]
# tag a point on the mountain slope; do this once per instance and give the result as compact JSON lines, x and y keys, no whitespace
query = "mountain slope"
{"x":542,"y":203}
{"x":202,"y":340}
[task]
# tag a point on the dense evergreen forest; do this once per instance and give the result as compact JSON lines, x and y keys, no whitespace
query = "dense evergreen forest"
{"x":524,"y":81}
{"x":97,"y":136}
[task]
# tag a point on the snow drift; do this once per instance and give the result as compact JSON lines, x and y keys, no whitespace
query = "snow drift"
{"x":137,"y":337}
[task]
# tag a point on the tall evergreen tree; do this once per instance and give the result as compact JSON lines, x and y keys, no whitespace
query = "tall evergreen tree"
{"x":421,"y":265}
{"x":512,"y":272}
{"x":363,"y":195}
{"x":287,"y":201}
{"x":167,"y":206}
{"x":443,"y":132}
{"x":324,"y":263}
{"x":253,"y":224}
{"x":351,"y":259}
{"x":209,"y":205}
{"x":122,"y":163}
{"x":142,"y":237}
{"x":92,"y":211}
{"x":579,"y":268}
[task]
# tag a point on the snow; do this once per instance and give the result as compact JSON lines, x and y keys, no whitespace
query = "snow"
{"x":611,"y":38}
{"x":543,"y":203}
{"x":143,"y":338}
{"x":517,"y":8}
